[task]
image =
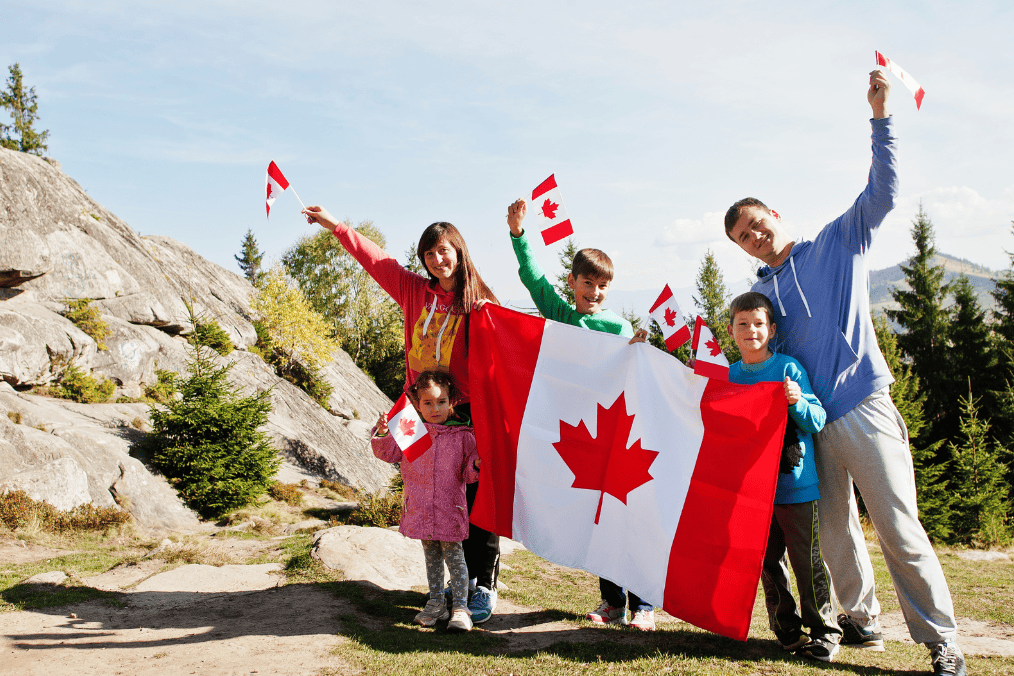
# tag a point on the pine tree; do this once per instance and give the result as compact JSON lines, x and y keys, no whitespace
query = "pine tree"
{"x":933,"y":497}
{"x":566,"y":258}
{"x":207,"y":440}
{"x":924,"y":320}
{"x":250,"y":259}
{"x":713,"y":300}
{"x":971,"y":357}
{"x":412,"y":261}
{"x":24,"y":110}
{"x":981,"y":492}
{"x":1003,"y":349}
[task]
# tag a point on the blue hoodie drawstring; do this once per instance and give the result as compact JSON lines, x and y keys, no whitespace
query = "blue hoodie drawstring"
{"x":792,"y":264}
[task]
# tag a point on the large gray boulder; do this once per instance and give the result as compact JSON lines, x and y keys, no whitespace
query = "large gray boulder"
{"x":59,"y":244}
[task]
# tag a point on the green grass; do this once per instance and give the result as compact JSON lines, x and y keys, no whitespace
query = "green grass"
{"x":16,"y":596}
{"x":380,"y":639}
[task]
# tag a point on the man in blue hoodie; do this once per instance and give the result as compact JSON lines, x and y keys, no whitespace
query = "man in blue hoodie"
{"x":820,"y":291}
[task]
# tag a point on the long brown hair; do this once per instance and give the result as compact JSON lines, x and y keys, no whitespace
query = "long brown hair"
{"x":468,"y":285}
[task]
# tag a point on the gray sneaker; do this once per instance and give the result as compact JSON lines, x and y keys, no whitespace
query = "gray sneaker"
{"x":858,"y":636}
{"x":436,"y":609}
{"x":819,"y":649}
{"x":948,"y":660}
{"x":461,"y":620}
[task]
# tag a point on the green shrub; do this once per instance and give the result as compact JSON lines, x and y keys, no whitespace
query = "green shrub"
{"x":207,"y":442}
{"x":82,"y":387}
{"x":89,"y":319}
{"x":376,"y":510}
{"x":307,"y":378}
{"x":210,"y":334}
{"x":18,"y":510}
{"x":287,"y":493}
{"x":345,"y":491}
{"x":163,"y":391}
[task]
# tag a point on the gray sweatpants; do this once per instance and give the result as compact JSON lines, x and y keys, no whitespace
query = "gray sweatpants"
{"x":869,"y":446}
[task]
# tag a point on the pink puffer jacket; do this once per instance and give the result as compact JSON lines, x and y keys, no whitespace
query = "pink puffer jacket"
{"x":434,"y":506}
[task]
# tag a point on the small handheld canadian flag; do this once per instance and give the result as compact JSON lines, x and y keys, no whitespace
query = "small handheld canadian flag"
{"x":906,"y":79}
{"x":276,"y":185}
{"x":709,"y":360}
{"x":666,"y":313}
{"x":408,"y":429}
{"x":551,"y":215}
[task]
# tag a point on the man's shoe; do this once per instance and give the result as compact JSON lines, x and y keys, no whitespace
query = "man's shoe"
{"x":948,"y":660}
{"x":607,"y":614}
{"x":435,"y":610}
{"x":858,"y":636}
{"x":482,"y":604}
{"x":791,"y":639}
{"x":461,"y":620}
{"x":643,"y":620}
{"x":819,"y":649}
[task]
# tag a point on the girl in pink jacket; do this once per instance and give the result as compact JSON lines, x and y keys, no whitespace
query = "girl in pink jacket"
{"x":434,"y":509}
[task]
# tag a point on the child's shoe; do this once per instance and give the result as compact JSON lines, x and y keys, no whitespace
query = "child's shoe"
{"x":791,"y":639}
{"x":858,"y":636}
{"x":948,"y":660}
{"x":482,"y":604}
{"x":436,"y":609}
{"x":643,"y":620}
{"x":461,"y":620}
{"x":607,"y":614}
{"x":819,"y":649}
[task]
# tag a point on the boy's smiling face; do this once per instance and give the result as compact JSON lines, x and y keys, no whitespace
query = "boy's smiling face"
{"x":589,"y":292}
{"x":752,"y":330}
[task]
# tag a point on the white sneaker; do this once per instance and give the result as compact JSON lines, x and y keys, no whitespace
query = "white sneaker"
{"x":461,"y":620}
{"x":607,"y":614}
{"x":643,"y":620}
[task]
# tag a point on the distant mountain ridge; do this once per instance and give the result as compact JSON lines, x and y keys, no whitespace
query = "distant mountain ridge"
{"x":883,"y":282}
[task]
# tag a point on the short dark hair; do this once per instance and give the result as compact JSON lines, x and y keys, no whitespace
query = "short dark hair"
{"x":592,"y":263}
{"x":751,"y":300}
{"x":733,"y":214}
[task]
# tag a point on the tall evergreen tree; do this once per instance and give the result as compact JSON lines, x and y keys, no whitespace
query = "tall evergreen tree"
{"x":1003,"y":349}
{"x":250,"y":259}
{"x":981,"y":492}
{"x":924,"y":319}
{"x":713,"y":300}
{"x":971,"y":357}
{"x":566,"y":257}
{"x":24,"y":110}
{"x":932,"y":494}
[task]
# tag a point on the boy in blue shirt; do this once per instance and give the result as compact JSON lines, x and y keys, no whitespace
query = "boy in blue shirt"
{"x":794,"y":524}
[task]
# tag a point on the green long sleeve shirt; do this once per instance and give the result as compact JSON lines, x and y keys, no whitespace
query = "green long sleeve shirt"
{"x":552,"y":306}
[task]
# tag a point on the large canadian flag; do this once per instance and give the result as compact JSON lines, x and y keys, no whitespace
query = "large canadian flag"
{"x":619,"y":460}
{"x":550,"y":214}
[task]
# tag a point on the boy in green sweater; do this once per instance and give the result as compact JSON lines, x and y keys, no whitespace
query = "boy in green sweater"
{"x":590,"y":277}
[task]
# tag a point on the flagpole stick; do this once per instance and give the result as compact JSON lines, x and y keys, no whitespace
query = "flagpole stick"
{"x":297,"y":197}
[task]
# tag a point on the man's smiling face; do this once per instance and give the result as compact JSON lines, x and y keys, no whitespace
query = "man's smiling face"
{"x":760,"y":234}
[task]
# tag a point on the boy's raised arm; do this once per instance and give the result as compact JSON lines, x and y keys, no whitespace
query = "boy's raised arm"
{"x":544,"y":295}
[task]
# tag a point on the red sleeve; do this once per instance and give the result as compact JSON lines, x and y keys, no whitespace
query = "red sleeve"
{"x":387,"y":271}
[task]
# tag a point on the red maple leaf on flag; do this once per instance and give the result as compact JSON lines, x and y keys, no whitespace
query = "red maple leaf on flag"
{"x":549,"y":209}
{"x":406,"y":426}
{"x":713,"y":347}
{"x":670,"y":316}
{"x":605,"y":463}
{"x":269,"y":192}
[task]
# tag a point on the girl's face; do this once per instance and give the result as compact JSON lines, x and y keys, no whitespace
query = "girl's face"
{"x":442,"y":262}
{"x":434,"y":404}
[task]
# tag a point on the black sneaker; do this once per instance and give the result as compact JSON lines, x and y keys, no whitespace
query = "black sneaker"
{"x":948,"y":660}
{"x":855,"y":635}
{"x":820,"y":649}
{"x":791,"y":639}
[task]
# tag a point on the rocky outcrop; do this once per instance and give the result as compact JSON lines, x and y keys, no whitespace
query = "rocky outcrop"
{"x":59,"y":244}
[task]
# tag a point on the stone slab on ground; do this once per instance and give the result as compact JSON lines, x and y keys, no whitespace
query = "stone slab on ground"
{"x":380,"y":556}
{"x":196,"y":583}
{"x":123,"y":576}
{"x":287,"y":631}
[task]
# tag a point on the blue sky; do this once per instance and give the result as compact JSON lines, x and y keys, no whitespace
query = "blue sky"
{"x":655,"y":116}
